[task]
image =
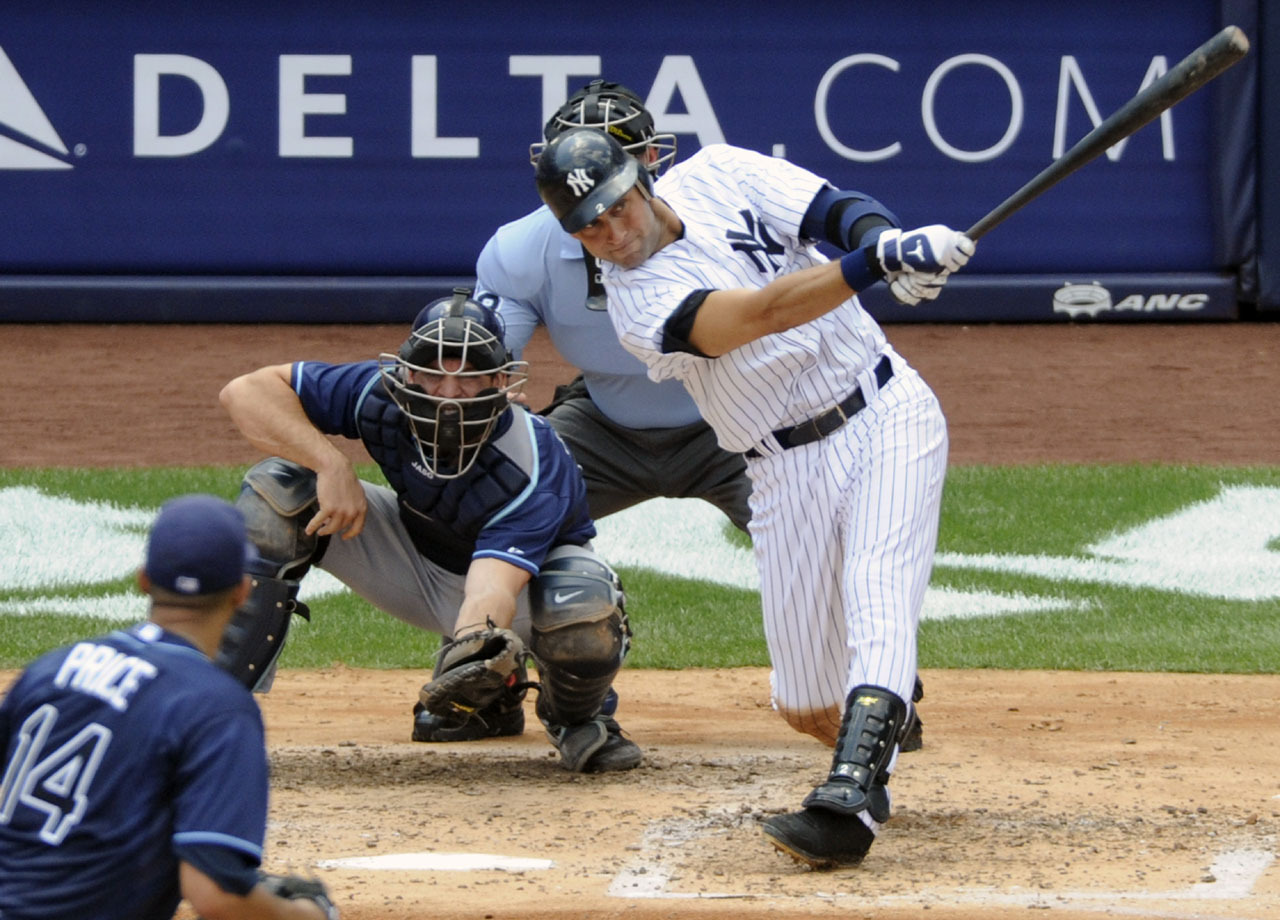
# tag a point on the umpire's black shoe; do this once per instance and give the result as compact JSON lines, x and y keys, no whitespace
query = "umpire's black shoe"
{"x":913,"y":740}
{"x":822,"y":839}
{"x":494,"y":722}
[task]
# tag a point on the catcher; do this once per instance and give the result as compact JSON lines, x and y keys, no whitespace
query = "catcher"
{"x":482,"y":537}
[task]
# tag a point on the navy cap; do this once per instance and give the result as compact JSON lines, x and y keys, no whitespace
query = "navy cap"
{"x":198,"y":546}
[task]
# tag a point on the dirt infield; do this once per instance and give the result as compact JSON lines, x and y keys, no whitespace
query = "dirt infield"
{"x":1137,"y":795}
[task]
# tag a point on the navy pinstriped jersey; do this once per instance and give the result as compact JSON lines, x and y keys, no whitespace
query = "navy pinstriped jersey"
{"x":120,"y":756}
{"x":524,"y":496}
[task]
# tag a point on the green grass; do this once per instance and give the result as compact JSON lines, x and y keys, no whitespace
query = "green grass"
{"x":1046,"y":510}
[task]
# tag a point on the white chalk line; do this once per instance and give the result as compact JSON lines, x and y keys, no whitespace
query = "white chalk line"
{"x":1235,"y":873}
{"x":437,"y":862}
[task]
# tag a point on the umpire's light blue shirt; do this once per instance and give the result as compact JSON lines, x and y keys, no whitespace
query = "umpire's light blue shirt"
{"x":539,"y":274}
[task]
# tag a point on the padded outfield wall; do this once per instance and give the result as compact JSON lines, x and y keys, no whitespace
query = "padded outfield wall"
{"x":282,"y":162}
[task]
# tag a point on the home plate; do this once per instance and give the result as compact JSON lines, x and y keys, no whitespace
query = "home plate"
{"x":437,"y":862}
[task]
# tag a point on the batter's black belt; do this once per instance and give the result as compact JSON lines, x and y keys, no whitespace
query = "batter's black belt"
{"x":823,"y":424}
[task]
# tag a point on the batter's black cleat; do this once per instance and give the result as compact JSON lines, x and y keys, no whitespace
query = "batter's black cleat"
{"x":819,"y":838}
{"x":494,"y":722}
{"x":913,"y":740}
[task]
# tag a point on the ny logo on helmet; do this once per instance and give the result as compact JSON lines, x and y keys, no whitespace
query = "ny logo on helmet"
{"x":580,"y":182}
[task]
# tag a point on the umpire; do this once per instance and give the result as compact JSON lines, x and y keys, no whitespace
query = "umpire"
{"x":135,"y":772}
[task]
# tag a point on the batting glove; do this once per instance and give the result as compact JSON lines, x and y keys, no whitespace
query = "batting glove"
{"x":933,"y":249}
{"x":909,"y":288}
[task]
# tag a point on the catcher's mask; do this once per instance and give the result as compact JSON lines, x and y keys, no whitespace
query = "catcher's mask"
{"x":619,"y":112}
{"x":451,"y":379}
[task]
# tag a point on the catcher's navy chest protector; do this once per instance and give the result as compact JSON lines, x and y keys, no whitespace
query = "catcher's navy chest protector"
{"x":444,"y":517}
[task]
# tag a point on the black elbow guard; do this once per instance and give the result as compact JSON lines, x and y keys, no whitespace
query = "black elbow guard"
{"x":846,"y":220}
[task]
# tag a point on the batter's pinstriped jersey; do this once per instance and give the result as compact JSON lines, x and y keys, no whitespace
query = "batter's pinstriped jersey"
{"x":843,"y":528}
{"x":741,"y":213}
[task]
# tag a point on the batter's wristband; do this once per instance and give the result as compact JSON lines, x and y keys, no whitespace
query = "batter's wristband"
{"x":861,"y":268}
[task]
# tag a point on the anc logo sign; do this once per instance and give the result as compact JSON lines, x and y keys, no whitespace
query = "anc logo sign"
{"x":1222,"y":548}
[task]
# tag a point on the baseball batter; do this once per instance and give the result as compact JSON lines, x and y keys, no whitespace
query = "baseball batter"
{"x":134,"y":770}
{"x":713,"y":279}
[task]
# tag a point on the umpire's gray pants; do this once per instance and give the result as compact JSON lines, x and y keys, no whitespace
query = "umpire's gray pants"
{"x":625,"y":466}
{"x":382,"y":565}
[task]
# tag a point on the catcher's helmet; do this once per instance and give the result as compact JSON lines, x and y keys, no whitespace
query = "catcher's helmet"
{"x":450,"y":430}
{"x":619,"y":112}
{"x":582,"y":173}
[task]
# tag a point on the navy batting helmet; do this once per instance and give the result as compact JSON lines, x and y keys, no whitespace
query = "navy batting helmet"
{"x":582,"y":173}
{"x":619,"y":112}
{"x":450,"y":428}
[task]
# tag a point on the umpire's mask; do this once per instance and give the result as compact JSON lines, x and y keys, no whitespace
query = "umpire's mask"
{"x":451,"y":379}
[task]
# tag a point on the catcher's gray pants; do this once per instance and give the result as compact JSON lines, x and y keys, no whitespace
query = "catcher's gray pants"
{"x":383,"y":567}
{"x":625,"y":466}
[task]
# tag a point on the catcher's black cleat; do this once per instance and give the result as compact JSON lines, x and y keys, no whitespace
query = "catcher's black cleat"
{"x":822,"y":839}
{"x":594,"y":746}
{"x":497,"y":721}
{"x":618,"y":753}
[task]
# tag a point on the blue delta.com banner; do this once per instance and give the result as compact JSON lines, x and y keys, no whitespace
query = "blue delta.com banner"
{"x":391,"y":139}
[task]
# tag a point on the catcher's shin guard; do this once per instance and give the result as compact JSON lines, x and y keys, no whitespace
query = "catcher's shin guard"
{"x":579,"y":640}
{"x":276,"y":498}
{"x":579,"y":634}
{"x":255,"y":636}
{"x":874,"y":719}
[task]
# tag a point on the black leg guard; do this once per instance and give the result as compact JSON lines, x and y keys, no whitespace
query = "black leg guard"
{"x":276,"y":498}
{"x":255,"y":636}
{"x":874,"y":719}
{"x":572,"y":691}
{"x":834,"y":828}
{"x":579,"y":639}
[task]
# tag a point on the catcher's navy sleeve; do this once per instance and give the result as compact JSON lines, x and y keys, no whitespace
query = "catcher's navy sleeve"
{"x":551,"y":511}
{"x":331,"y":393}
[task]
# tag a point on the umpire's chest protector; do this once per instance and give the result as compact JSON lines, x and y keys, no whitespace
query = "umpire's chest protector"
{"x":445,"y":516}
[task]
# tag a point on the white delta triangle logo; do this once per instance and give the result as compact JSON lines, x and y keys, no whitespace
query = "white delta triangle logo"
{"x":21,"y":114}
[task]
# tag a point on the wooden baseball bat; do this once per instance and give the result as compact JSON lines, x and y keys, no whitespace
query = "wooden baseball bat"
{"x":1191,"y":73}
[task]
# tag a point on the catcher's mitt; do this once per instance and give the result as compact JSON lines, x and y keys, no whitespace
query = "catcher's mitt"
{"x":297,"y":888}
{"x":473,"y":671}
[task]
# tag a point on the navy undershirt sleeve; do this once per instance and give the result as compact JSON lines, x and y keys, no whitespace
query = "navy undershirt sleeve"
{"x":678,"y":328}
